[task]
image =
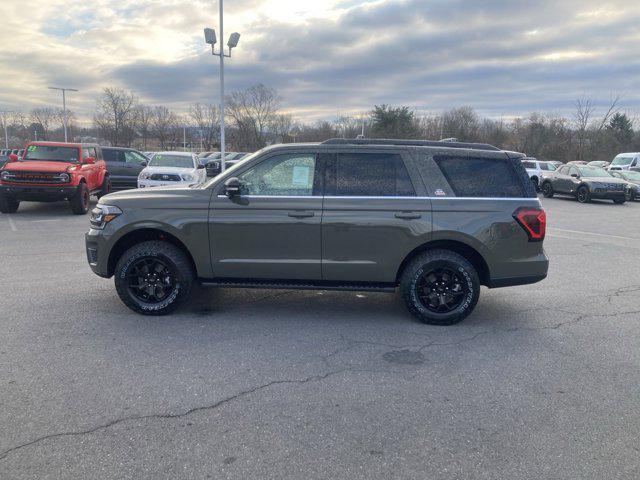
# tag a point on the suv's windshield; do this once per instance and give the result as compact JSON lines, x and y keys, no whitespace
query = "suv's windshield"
{"x":162,"y":160}
{"x":51,"y":154}
{"x":593,"y":172}
{"x":622,"y":161}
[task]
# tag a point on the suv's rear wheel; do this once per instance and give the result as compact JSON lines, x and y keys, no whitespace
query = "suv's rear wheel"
{"x":153,"y":277}
{"x":440,"y":287}
{"x":80,"y":201}
{"x":8,"y":205}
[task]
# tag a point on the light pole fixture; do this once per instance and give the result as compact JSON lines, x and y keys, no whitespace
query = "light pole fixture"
{"x":210,"y":38}
{"x":64,"y":107}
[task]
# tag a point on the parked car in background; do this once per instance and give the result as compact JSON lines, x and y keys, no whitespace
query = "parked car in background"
{"x":584,"y":183}
{"x":625,"y":161}
{"x":53,"y":171}
{"x":433,"y":219}
{"x":172,"y":168}
{"x":576,"y":162}
{"x":124,"y":166}
{"x":214,"y":166}
{"x":555,"y":163}
{"x":535,"y":168}
{"x":599,"y":163}
{"x":634,"y":179}
{"x":148,"y":154}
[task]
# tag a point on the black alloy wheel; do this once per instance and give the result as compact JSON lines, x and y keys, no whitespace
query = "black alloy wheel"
{"x":441,"y":290}
{"x":150,"y":280}
{"x":583,"y":195}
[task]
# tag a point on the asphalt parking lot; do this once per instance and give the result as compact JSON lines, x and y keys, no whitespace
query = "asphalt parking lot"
{"x":541,"y":381}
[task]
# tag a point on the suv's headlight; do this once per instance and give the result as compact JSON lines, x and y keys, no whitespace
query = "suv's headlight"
{"x":103,"y":214}
{"x":143,"y":175}
{"x":187,"y":177}
{"x":5,"y":175}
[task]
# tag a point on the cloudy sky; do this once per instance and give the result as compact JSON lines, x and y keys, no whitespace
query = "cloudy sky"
{"x":327,"y":57}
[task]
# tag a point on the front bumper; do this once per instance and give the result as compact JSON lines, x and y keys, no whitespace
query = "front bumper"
{"x":97,"y":249}
{"x":159,"y":183}
{"x":607,"y":195}
{"x":38,"y":193}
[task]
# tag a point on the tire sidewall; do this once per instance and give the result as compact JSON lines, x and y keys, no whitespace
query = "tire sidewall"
{"x":547,"y":190}
{"x":469,"y":276}
{"x":586,"y":195}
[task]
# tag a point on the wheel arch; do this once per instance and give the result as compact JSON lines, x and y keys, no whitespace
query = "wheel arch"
{"x":457,"y":246}
{"x":140,"y":235}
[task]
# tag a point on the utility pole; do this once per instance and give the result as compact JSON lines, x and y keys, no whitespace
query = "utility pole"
{"x":64,"y":107}
{"x":5,"y":126}
{"x":210,"y":38}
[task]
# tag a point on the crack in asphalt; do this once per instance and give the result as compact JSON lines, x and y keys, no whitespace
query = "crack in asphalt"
{"x":212,"y":406}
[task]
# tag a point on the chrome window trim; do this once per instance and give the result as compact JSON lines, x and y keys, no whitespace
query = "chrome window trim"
{"x":510,"y":199}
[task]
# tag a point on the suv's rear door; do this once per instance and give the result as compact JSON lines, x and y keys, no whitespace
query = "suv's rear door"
{"x":373,"y":215}
{"x":116,"y":167}
{"x":272,"y":229}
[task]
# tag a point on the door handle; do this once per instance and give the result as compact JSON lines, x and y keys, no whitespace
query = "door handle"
{"x":301,"y":214}
{"x":408,"y":215}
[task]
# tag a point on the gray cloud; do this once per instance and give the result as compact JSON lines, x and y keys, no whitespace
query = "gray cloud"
{"x":501,"y":57}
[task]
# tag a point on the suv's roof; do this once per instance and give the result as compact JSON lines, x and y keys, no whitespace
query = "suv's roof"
{"x":119,"y":148}
{"x":62,"y":144}
{"x":169,"y":152}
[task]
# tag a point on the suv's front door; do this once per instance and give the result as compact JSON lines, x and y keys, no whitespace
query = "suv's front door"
{"x":272,"y":229}
{"x":372,"y":216}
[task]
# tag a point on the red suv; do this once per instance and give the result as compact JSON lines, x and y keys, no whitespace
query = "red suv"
{"x":53,"y":171}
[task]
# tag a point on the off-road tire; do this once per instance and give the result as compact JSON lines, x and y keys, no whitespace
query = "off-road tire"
{"x":583,"y":195}
{"x":434,"y":259}
{"x":547,"y":190}
{"x":8,"y":205}
{"x":80,"y":201}
{"x":181,"y":269}
{"x":105,"y":189}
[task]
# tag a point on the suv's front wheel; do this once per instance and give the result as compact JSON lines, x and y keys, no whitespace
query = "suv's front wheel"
{"x":153,"y":277}
{"x":440,"y":287}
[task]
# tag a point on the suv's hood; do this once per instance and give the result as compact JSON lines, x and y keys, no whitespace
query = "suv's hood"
{"x":38,"y":166}
{"x":160,"y":198}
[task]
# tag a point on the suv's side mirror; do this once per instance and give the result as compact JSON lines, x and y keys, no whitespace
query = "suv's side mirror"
{"x":144,"y":163}
{"x":575,"y":175}
{"x":200,"y":166}
{"x":232,"y":187}
{"x":13,"y":157}
{"x":89,"y":161}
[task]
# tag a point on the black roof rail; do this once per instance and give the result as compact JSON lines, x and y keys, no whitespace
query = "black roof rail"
{"x":413,"y":143}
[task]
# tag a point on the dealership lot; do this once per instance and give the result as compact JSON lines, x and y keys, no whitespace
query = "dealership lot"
{"x":541,"y":381}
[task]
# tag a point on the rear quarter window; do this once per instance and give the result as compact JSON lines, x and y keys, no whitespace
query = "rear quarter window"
{"x":485,"y":177}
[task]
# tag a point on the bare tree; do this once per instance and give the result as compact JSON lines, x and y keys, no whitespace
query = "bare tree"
{"x":44,"y":117}
{"x":252,"y":112}
{"x":143,"y":118}
{"x":115,"y":116}
{"x":207,"y":118}
{"x":165,"y":126}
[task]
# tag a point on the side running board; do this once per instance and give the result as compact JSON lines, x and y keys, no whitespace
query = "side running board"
{"x":298,"y":285}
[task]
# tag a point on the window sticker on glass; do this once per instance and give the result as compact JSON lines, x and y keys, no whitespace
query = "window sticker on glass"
{"x":32,"y":148}
{"x":301,"y":175}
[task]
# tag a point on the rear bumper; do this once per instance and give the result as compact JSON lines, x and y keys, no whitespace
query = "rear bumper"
{"x":514,"y":281}
{"x":32,"y":193}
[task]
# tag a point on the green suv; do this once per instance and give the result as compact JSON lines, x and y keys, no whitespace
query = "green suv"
{"x":433,"y":220}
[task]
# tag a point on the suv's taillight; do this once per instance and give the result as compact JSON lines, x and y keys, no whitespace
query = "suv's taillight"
{"x":533,"y":220}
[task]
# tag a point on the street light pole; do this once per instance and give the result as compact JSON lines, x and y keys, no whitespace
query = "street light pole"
{"x":64,"y":107}
{"x":210,"y":38}
{"x":5,"y":126}
{"x":222,"y":145}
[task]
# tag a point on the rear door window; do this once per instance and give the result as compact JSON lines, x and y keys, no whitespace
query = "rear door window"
{"x":481,"y":177}
{"x":370,"y":174}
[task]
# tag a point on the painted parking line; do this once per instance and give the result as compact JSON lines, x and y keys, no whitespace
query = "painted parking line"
{"x":580,"y":232}
{"x":12,"y":225}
